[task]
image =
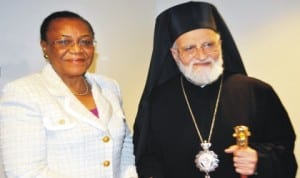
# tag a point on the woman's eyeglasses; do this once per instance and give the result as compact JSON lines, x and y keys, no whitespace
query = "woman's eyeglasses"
{"x":67,"y":43}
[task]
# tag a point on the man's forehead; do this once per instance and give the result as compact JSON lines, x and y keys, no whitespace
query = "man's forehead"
{"x":200,"y":33}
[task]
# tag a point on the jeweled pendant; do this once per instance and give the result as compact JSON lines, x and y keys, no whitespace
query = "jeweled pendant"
{"x":206,"y":160}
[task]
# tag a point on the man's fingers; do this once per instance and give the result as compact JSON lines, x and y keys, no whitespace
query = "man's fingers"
{"x":231,"y":149}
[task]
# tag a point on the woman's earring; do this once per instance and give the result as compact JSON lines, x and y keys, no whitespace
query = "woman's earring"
{"x":46,"y":56}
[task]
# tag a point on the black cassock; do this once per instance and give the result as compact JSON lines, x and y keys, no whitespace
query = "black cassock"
{"x":173,"y":141}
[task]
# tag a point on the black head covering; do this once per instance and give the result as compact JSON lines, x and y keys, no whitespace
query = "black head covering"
{"x":170,"y":24}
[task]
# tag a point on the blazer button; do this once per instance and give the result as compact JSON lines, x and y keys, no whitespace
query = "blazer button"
{"x":106,"y":163}
{"x":105,"y":139}
{"x":61,"y":121}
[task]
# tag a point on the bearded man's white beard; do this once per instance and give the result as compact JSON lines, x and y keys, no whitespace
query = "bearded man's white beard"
{"x":202,"y":75}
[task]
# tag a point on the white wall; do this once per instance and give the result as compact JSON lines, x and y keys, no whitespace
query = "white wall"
{"x":267,"y":34}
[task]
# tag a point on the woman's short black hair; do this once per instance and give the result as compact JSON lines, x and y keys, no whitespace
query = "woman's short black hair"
{"x":57,"y":15}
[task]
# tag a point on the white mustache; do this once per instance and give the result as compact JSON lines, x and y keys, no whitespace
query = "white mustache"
{"x":203,"y":61}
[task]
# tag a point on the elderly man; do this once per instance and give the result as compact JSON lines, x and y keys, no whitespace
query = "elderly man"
{"x":197,"y":92}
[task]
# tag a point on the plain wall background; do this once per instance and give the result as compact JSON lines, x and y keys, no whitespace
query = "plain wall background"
{"x":266,"y":33}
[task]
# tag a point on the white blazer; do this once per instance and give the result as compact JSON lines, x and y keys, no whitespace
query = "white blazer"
{"x":46,"y":132}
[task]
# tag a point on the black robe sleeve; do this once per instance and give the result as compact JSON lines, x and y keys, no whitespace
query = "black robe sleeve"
{"x":275,"y":142}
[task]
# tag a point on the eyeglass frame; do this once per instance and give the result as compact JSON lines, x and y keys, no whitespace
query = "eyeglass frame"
{"x":191,"y":50}
{"x":60,"y":43}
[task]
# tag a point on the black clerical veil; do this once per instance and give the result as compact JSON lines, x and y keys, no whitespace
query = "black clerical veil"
{"x":170,"y":24}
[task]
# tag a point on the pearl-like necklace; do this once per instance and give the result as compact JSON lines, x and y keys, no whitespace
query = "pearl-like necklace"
{"x":85,"y":92}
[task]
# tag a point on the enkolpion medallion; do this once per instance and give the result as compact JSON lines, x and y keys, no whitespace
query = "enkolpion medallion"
{"x":206,"y":160}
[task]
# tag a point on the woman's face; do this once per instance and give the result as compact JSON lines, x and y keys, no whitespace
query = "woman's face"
{"x":69,"y":46}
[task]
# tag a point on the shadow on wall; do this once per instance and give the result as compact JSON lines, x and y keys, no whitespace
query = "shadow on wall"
{"x":93,"y":66}
{"x":1,"y":168}
{"x":10,"y":70}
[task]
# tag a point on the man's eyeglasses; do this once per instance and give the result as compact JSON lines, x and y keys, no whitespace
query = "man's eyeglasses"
{"x":68,"y":43}
{"x":206,"y":47}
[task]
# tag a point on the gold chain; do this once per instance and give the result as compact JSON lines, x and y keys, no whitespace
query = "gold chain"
{"x":192,"y":115}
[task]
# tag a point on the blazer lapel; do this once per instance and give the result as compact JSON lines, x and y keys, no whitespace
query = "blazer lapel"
{"x":72,"y":105}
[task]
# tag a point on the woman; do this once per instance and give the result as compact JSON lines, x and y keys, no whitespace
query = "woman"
{"x":65,"y":122}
